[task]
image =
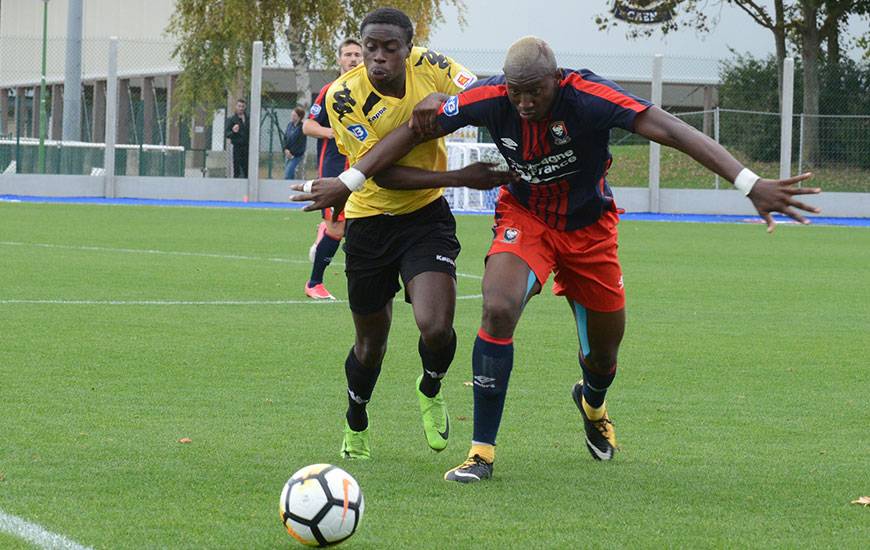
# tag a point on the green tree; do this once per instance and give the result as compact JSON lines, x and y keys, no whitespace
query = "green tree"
{"x":749,"y":84}
{"x":214,"y":39}
{"x":812,"y":26}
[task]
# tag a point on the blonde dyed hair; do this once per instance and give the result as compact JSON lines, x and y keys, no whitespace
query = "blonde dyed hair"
{"x":530,"y":56}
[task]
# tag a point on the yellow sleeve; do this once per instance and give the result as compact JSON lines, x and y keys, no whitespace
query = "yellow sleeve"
{"x":353,"y":134}
{"x":450,"y":77}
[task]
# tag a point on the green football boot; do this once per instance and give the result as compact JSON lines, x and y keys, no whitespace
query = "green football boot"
{"x":355,"y":445}
{"x":436,"y":422}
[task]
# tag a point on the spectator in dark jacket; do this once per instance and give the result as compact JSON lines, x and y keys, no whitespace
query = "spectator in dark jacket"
{"x":237,"y":132}
{"x":294,"y":143}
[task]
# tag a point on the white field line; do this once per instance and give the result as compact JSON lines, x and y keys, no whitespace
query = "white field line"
{"x":35,"y":534}
{"x":178,"y":253}
{"x":190,"y":302}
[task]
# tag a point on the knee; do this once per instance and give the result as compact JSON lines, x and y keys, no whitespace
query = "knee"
{"x":436,"y":333}
{"x":500,"y":315}
{"x":370,"y":353}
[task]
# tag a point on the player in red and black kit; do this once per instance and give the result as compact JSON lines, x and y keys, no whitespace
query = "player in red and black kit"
{"x":330,"y":163}
{"x":552,"y":126}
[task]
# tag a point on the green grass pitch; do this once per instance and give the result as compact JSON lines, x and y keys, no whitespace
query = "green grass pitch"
{"x":741,"y":403}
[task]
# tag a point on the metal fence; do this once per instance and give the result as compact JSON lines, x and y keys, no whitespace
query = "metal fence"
{"x":154,"y":142}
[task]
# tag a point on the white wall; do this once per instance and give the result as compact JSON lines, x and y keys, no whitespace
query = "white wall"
{"x":102,"y":18}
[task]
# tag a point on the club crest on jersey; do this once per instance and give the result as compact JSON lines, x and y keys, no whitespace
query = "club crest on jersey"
{"x":464,"y":79}
{"x":358,"y":131}
{"x":315,"y":109}
{"x":559,"y":132}
{"x":451,"y":106}
{"x":510,"y":235}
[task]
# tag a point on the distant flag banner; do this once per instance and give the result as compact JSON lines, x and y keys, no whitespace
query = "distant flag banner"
{"x":643,"y":12}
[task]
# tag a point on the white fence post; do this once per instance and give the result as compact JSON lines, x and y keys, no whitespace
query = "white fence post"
{"x":254,"y":127}
{"x":716,"y":135}
{"x":787,"y":112}
{"x":800,"y":166}
{"x":655,"y":150}
{"x":111,"y":119}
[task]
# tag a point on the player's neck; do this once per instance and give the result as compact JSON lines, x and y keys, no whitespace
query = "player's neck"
{"x":394,"y":88}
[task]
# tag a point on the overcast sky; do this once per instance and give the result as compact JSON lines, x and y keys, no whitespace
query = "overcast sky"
{"x":568,"y":26}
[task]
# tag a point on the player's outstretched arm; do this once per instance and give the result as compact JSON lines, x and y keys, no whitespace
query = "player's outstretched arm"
{"x":767,"y":195}
{"x":312,"y":128}
{"x":478,"y":175}
{"x":333,"y":192}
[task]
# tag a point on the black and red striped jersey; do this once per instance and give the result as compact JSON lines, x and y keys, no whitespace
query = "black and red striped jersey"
{"x":563,"y":159}
{"x":330,"y":162}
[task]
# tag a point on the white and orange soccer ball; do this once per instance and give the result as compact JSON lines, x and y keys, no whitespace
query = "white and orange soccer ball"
{"x":321,"y":505}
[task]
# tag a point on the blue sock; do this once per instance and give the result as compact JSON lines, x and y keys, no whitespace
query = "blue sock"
{"x":326,"y":249}
{"x":595,"y":383}
{"x":491,"y":363}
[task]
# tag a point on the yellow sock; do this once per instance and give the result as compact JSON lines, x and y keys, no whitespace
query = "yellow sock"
{"x":592,"y":413}
{"x":484,"y":451}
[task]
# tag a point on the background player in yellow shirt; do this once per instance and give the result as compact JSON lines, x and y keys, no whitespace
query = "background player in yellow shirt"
{"x":398,"y":233}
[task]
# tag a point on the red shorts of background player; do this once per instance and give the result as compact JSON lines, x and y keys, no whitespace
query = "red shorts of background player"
{"x":585,"y":261}
{"x":327,"y":215}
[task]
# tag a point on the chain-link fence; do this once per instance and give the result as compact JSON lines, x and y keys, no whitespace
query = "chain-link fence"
{"x":153,"y":141}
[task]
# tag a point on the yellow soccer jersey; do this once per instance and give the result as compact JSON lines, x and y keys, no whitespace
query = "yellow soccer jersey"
{"x":361,"y":116}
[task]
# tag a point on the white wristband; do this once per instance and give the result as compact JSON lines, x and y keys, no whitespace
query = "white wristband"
{"x":745,"y":180}
{"x":353,"y":179}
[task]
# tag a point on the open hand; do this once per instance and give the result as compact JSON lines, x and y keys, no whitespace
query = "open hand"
{"x":323,"y":193}
{"x":770,"y":196}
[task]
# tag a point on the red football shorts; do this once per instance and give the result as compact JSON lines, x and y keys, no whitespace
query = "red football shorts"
{"x":327,"y":214}
{"x":585,"y":260}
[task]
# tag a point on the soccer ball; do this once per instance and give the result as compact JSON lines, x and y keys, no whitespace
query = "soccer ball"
{"x":321,"y":505}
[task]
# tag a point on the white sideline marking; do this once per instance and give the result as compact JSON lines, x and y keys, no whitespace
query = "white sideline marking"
{"x":35,"y":534}
{"x":176,"y":253}
{"x":173,"y":302}
{"x":189,"y":302}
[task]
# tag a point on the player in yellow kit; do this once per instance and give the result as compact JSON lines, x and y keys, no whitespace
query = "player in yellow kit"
{"x":392,"y":234}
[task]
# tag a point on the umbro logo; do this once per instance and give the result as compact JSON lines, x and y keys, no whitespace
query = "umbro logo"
{"x":484,"y":381}
{"x":510,"y":144}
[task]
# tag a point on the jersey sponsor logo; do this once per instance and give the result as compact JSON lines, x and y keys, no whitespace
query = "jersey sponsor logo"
{"x":315,"y":109}
{"x":343,"y":102}
{"x":434,"y":59}
{"x":620,"y":283}
{"x":464,"y":79}
{"x":510,"y":235}
{"x":510,"y":144}
{"x":559,"y":132}
{"x":548,"y":168}
{"x":359,"y":131}
{"x":451,"y":106}
{"x":378,"y":114}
